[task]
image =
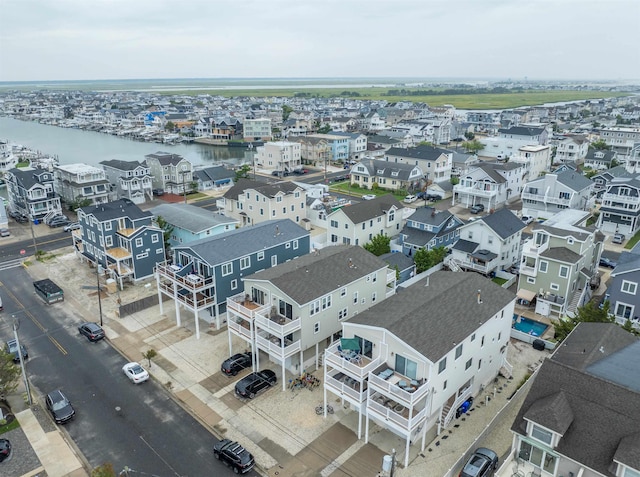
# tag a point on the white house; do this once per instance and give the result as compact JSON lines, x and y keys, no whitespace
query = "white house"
{"x":536,"y":159}
{"x":490,"y":184}
{"x":257,"y":129}
{"x":279,"y":156}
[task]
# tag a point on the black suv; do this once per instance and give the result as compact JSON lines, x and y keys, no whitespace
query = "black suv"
{"x":12,"y":348}
{"x":476,"y":209}
{"x":234,"y":455}
{"x":482,"y":463}
{"x":59,"y":407}
{"x":253,"y":383}
{"x":236,"y":363}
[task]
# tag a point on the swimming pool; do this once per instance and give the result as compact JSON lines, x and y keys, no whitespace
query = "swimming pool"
{"x":526,"y":325}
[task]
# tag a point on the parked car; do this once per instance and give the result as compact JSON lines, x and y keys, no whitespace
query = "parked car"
{"x":300,"y":172}
{"x":59,"y":222}
{"x":606,"y":262}
{"x":234,"y":455}
{"x":527,"y":219}
{"x":55,"y":218}
{"x":71,"y":226}
{"x":280,"y":173}
{"x":91,"y":330}
{"x":157,"y":192}
{"x":59,"y":407}
{"x":5,"y":449}
{"x":410,"y":198}
{"x":476,"y":209}
{"x":432,"y":197}
{"x":618,"y":238}
{"x":236,"y":363}
{"x":136,"y":373}
{"x":341,"y":178}
{"x":12,"y":348}
{"x":368,"y":197}
{"x":482,"y":463}
{"x":254,"y":383}
{"x":4,"y":233}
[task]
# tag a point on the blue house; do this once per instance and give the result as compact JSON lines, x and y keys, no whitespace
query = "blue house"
{"x":121,"y":238}
{"x":203,"y":274}
{"x":623,"y":290}
{"x":429,"y":228}
{"x":191,"y":223}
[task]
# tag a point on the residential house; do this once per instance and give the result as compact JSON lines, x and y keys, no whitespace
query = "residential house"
{"x":581,"y":415}
{"x":8,"y":160}
{"x":172,"y":173}
{"x":204,"y":273}
{"x":357,"y":144}
{"x":313,"y":150}
{"x":214,"y":177}
{"x":571,"y":148}
{"x":511,"y":139}
{"x":404,"y":266}
{"x":388,"y":175}
{"x":378,"y":145}
{"x":428,"y":228}
{"x":339,"y":145}
{"x":558,"y":263}
{"x":599,"y":159}
{"x":190,"y":223}
{"x":436,"y":163}
{"x":77,"y":182}
{"x":620,"y":209}
{"x":462,"y":162}
{"x":489,"y":244}
{"x":621,"y":139}
{"x":536,"y":160}
{"x":120,"y":238}
{"x":293,"y":310}
{"x":31,"y":193}
{"x":129,"y":179}
{"x":371,"y":122}
{"x":359,"y":223}
{"x":602,"y":179}
{"x":408,"y":363}
{"x":257,"y":129}
{"x":492,"y":184}
{"x":279,"y":156}
{"x":622,"y":290}
{"x":544,"y":197}
{"x":252,"y":202}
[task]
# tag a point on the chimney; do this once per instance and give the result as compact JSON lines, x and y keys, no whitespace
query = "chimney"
{"x":479,"y":298}
{"x":350,"y":263}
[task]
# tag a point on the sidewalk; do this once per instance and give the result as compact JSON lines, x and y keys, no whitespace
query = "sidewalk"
{"x":280,"y":428}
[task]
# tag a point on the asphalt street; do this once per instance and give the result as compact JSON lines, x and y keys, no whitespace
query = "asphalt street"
{"x":138,"y":426}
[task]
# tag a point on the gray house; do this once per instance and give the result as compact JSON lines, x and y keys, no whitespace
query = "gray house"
{"x":120,"y":238}
{"x":31,"y":193}
{"x":623,"y":288}
{"x":203,"y":274}
{"x":214,"y":177}
{"x":429,"y":228}
{"x":129,"y":179}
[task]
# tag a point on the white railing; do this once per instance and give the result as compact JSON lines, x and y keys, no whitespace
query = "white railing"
{"x":473,"y":191}
{"x":238,"y":329}
{"x":531,"y":249}
{"x":275,"y":349}
{"x":478,"y":266}
{"x":625,"y":199}
{"x":395,"y":392}
{"x":280,"y":330}
{"x":545,"y":198}
{"x":388,"y":414}
{"x":340,"y":388}
{"x":241,"y":306}
{"x":464,"y":395}
{"x":333,"y":358}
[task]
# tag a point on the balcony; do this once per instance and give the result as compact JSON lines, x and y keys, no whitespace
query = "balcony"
{"x":183,"y":296}
{"x":528,"y":270}
{"x":277,"y":347}
{"x":474,"y":191}
{"x":358,"y":368}
{"x":389,"y":386}
{"x":241,"y":304}
{"x":344,"y":386}
{"x":395,"y":413}
{"x":240,"y":326}
{"x":531,"y":249}
{"x":608,"y":198}
{"x":545,"y":199}
{"x":276,"y":324}
{"x":118,"y":253}
{"x":189,"y":281}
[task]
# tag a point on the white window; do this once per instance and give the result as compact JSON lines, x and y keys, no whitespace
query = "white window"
{"x":531,"y":280}
{"x":314,"y":308}
{"x":541,"y":434}
{"x":564,"y":271}
{"x":295,"y":245}
{"x":108,"y":241}
{"x":234,"y":284}
{"x":227,"y":269}
{"x":326,"y":302}
{"x":155,"y":238}
{"x":468,"y":364}
{"x":442,"y":365}
{"x":245,"y":262}
{"x":316,"y":327}
{"x":274,"y":260}
{"x":139,"y":242}
{"x":260,"y":256}
{"x":107,"y":226}
{"x":355,"y":298}
{"x":343,"y":292}
{"x":140,"y":256}
{"x":554,"y":286}
{"x":458,"y":351}
{"x":629,"y":287}
{"x":374,"y":295}
{"x":544,"y":266}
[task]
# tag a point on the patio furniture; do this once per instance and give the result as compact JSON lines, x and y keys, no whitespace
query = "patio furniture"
{"x":386,"y":374}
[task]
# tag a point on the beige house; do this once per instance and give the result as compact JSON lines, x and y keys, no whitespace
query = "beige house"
{"x":253,"y":202}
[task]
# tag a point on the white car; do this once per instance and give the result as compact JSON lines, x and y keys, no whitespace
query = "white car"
{"x":136,"y":373}
{"x":368,"y":197}
{"x":527,"y":219}
{"x":410,"y":198}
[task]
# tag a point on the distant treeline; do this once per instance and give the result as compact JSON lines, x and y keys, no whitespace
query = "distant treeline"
{"x":452,"y":92}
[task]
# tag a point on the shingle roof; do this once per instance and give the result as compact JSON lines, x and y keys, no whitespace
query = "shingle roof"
{"x":466,"y":245}
{"x":190,"y":217}
{"x":388,"y":169}
{"x":606,"y":414}
{"x":417,"y":237}
{"x":431,"y":216}
{"x":165,"y":158}
{"x":561,"y":254}
{"x":214,"y":173}
{"x":503,"y":222}
{"x":521,"y":131}
{"x":239,"y":187}
{"x":269,"y":190}
{"x":369,"y":209}
{"x":395,"y":259}
{"x":427,"y":153}
{"x":574,"y":181}
{"x":316,"y":274}
{"x":437,"y":312}
{"x":123,"y":165}
{"x":237,"y":243}
{"x":116,"y":209}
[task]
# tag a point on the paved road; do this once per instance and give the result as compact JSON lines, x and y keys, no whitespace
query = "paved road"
{"x":150,"y":432}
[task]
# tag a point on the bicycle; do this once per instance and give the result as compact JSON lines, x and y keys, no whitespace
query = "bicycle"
{"x":320,"y":409}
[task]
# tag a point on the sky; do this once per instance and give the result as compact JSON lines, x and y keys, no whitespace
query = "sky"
{"x":507,"y":39}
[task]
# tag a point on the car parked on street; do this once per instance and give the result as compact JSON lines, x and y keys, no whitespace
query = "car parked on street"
{"x":71,"y":226}
{"x":5,"y":449}
{"x":368,"y":197}
{"x":476,"y":209}
{"x":482,"y":463}
{"x":608,"y":263}
{"x":12,"y":348}
{"x":255,"y":383}
{"x":410,"y":198}
{"x":234,"y":455}
{"x":60,"y":407}
{"x":136,"y":373}
{"x":300,"y":172}
{"x":527,"y":219}
{"x":4,"y":233}
{"x":236,"y":363}
{"x":91,"y":330}
{"x":157,"y":192}
{"x":618,"y":238}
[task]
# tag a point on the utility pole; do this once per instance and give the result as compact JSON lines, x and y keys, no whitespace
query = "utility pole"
{"x":184,"y":189}
{"x":24,"y":374}
{"x":98,"y":288}
{"x":33,"y":235}
{"x":393,"y":463}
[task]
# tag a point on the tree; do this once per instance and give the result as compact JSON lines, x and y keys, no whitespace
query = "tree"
{"x":286,"y":111}
{"x":425,"y":259}
{"x":149,"y":355}
{"x":167,"y":231}
{"x":469,"y":135}
{"x":379,"y":245}
{"x":589,"y":313}
{"x":324,"y":129}
{"x":454,"y":180}
{"x":473,"y":146}
{"x":425,"y":143}
{"x":79,"y":202}
{"x":599,"y":145}
{"x":170,"y":126}
{"x":104,"y":470}
{"x":242,"y":172}
{"x":9,"y":374}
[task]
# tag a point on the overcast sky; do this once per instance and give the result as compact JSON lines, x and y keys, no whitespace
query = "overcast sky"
{"x":105,"y":39}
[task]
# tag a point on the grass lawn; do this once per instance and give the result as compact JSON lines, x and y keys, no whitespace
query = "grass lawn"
{"x":9,"y":427}
{"x":499,"y":281}
{"x":358,"y":192}
{"x":632,"y":241}
{"x":197,"y":196}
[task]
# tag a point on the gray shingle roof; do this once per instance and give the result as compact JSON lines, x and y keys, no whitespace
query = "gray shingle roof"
{"x":116,"y":209}
{"x":269,"y":190}
{"x":561,"y":254}
{"x":244,"y":241}
{"x":369,"y":209}
{"x":400,"y":260}
{"x":124,"y":165}
{"x":435,"y":313}
{"x":553,"y":412}
{"x":165,"y":158}
{"x":503,"y":222}
{"x":606,"y":414}
{"x":431,"y":216}
{"x":316,"y":274}
{"x":190,"y":217}
{"x":388,"y":169}
{"x":417,"y":237}
{"x":574,"y":181}
{"x":427,"y":153}
{"x":466,"y":246}
{"x":521,"y":131}
{"x":214,"y":173}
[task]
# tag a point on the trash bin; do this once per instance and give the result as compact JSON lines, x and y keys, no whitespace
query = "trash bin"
{"x":36,"y":222}
{"x":539,"y":345}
